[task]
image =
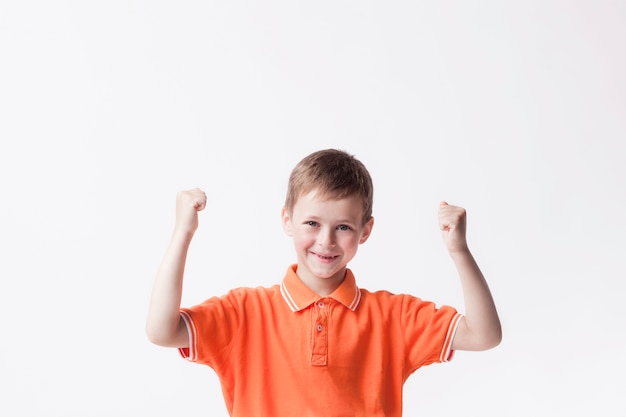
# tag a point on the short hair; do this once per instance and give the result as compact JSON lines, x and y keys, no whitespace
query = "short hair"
{"x":333,"y":174}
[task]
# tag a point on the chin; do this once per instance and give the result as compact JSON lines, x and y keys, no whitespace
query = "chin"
{"x":327,"y":271}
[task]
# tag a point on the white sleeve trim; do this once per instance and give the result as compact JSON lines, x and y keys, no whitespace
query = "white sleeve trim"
{"x":190,"y":353}
{"x":447,"y":352}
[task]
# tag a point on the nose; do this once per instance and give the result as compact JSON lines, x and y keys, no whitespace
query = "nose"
{"x":326,"y":238}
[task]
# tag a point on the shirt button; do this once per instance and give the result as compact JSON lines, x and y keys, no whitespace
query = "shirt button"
{"x":320,"y":304}
{"x":319,"y":327}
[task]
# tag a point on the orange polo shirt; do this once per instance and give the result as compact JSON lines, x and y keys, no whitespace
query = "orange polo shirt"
{"x":285,"y":351}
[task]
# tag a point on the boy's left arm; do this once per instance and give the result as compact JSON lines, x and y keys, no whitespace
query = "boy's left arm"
{"x":480,"y":327}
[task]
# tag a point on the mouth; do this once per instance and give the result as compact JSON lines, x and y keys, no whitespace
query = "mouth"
{"x":325,"y":258}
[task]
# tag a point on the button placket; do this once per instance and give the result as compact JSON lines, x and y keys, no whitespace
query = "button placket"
{"x":319,"y":352}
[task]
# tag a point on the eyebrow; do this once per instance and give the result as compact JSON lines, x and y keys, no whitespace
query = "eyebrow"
{"x":341,"y":221}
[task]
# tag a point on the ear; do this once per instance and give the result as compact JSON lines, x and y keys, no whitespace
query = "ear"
{"x":366,"y":231}
{"x":286,"y":221}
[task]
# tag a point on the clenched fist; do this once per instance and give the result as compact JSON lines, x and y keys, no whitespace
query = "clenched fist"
{"x":452,"y":222}
{"x":188,"y":204}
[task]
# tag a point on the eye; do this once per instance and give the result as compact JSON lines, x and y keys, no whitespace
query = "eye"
{"x":311,"y":223}
{"x":343,"y":227}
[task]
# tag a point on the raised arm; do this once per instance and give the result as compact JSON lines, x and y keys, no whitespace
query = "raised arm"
{"x":164,"y":325}
{"x":480,"y":327}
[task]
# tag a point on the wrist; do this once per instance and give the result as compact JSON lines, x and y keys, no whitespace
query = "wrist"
{"x":183,"y":235}
{"x":459,"y":252}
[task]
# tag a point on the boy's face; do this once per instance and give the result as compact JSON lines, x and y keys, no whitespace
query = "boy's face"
{"x":326,"y":235}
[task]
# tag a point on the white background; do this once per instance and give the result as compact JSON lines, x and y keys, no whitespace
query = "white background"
{"x":515,"y":110}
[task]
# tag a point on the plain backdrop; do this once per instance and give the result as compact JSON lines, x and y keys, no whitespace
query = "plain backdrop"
{"x":514,"y":110}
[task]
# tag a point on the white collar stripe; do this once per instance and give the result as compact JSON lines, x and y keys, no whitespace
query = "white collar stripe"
{"x":356,"y":300}
{"x":285,"y":293}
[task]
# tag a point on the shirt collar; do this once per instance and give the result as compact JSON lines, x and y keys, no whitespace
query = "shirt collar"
{"x":298,"y":296}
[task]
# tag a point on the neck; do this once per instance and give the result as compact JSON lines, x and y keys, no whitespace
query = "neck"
{"x":321,"y":286}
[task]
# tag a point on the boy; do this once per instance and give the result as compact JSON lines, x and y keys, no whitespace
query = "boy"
{"x":317,"y":345}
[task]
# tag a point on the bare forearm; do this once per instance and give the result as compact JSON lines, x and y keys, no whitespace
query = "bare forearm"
{"x":164,"y":325}
{"x":163,"y":322}
{"x":482,"y":329}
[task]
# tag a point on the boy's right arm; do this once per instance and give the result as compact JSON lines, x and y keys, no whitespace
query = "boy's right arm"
{"x":164,"y":325}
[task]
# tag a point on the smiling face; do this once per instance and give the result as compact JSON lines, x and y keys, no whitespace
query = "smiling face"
{"x":326,"y":234}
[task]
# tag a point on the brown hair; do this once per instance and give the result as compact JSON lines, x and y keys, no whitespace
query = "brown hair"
{"x":334,"y":174}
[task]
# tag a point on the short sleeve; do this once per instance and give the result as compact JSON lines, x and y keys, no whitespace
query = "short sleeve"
{"x":211,"y":326}
{"x":429,"y":332}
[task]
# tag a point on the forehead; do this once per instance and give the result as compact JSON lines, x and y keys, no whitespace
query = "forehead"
{"x":313,"y":204}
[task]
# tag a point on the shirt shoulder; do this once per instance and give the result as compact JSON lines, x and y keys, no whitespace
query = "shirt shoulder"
{"x":388,"y":299}
{"x":244,"y":297}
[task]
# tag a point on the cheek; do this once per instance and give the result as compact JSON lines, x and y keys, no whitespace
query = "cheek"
{"x":303,"y":237}
{"x":349,"y":242}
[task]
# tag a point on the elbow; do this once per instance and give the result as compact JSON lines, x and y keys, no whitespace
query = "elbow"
{"x":468,"y":338}
{"x":152,"y":335}
{"x":167,"y":336}
{"x":492,"y":339}
{"x":156,"y":335}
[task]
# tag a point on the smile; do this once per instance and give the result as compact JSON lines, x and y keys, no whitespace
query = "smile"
{"x":325,"y":257}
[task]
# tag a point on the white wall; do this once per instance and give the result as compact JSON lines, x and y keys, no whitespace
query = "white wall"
{"x":515,"y":110}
